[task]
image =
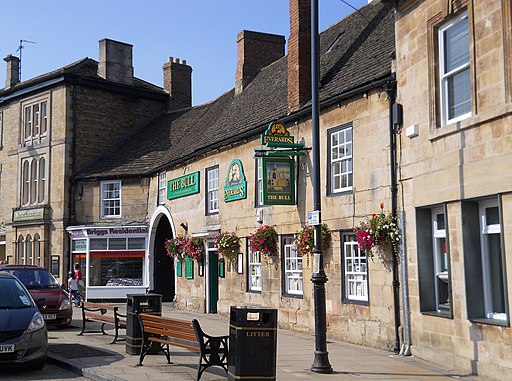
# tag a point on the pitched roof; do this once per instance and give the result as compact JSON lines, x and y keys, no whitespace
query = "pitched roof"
{"x":354,"y":52}
{"x":84,"y":68}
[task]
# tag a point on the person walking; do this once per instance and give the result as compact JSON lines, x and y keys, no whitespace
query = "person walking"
{"x":72,"y":286}
{"x":79,"y":277}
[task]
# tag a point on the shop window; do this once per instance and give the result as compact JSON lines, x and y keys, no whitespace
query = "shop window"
{"x":355,"y":271}
{"x":28,"y":250}
{"x":292,"y":268}
{"x":21,"y":250}
{"x":253,"y":270}
{"x":162,"y":188}
{"x":212,"y":190}
{"x":433,"y":261}
{"x":454,"y":70}
{"x":340,"y":159}
{"x":484,"y":265}
{"x":110,"y":199}
{"x":37,"y":250}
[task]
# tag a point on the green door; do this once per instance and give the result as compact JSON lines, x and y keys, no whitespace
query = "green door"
{"x":213,"y":277}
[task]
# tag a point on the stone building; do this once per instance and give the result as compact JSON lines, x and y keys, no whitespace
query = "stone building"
{"x":454,"y":72}
{"x":51,"y":126}
{"x":175,"y":177}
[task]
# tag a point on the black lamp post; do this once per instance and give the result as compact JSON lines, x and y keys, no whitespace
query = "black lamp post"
{"x":321,"y":363}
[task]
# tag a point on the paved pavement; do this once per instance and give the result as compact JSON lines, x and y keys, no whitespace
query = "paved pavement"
{"x":92,"y":356}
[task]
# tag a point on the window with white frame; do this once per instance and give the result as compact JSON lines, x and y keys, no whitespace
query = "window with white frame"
{"x":292,"y":268}
{"x":37,"y":250}
{"x":212,"y":190}
{"x":340,"y":159}
{"x":254,"y":270}
{"x":484,"y":261}
{"x":28,"y":250}
{"x":33,"y":181}
{"x":110,"y":199}
{"x":355,"y":271}
{"x":21,"y":251}
{"x":35,"y":122}
{"x":492,"y":261}
{"x":440,"y":258}
{"x":162,"y":188}
{"x":259,"y":182}
{"x":454,"y":70}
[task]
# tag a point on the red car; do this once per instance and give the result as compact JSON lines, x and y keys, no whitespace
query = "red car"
{"x":57,"y":311}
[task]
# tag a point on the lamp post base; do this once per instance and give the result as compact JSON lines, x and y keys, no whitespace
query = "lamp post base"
{"x":321,"y":363}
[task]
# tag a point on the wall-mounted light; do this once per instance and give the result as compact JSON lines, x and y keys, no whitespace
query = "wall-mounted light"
{"x":184,"y":225}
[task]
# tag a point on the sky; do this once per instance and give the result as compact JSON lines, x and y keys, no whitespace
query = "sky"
{"x":203,"y":32}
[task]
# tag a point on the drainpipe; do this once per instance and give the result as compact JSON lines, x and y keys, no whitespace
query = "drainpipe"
{"x":406,"y":313}
{"x":390,"y":88}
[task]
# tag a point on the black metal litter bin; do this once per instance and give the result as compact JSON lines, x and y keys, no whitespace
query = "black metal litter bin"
{"x":137,"y":303}
{"x":252,"y":343}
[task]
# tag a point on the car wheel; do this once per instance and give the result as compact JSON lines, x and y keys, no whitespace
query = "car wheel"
{"x":36,"y":365}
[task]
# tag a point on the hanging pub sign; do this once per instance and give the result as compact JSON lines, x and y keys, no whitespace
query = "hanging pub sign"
{"x":277,"y":135}
{"x":235,"y":186}
{"x":183,"y":186}
{"x":278,"y":181}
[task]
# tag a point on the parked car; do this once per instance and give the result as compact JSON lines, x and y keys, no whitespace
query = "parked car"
{"x":57,"y":311}
{"x":23,"y":334}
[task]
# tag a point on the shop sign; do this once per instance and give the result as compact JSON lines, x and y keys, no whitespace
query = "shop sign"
{"x":277,"y":133}
{"x":28,"y":214}
{"x":118,"y":254}
{"x":121,"y":231}
{"x":235,"y":186}
{"x":183,"y":186}
{"x":278,"y":181}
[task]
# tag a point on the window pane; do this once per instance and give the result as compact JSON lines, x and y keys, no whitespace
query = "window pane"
{"x":457,"y":45}
{"x":459,"y":94}
{"x":492,"y":216}
{"x":496,"y":273}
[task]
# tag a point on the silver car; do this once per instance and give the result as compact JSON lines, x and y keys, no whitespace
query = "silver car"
{"x":23,"y":334}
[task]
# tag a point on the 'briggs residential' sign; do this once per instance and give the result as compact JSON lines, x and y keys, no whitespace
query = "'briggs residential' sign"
{"x":183,"y":186}
{"x":235,"y":186}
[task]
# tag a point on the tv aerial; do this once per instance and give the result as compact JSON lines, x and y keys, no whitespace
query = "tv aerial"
{"x":20,"y":49}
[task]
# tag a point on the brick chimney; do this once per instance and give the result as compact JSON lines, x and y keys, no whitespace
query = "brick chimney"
{"x":13,"y":71}
{"x":299,"y":54}
{"x":116,"y":61}
{"x":255,"y":51}
{"x":178,"y":82}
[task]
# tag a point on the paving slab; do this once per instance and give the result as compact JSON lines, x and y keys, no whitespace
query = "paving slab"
{"x":92,"y":356}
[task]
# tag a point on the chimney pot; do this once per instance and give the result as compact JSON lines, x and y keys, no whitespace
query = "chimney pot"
{"x":13,"y":71}
{"x":116,"y":61}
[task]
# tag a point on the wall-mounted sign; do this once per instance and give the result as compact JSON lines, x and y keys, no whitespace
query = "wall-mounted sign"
{"x":278,"y":181}
{"x":235,"y":186}
{"x":277,"y":133}
{"x":183,"y":186}
{"x":28,"y":214}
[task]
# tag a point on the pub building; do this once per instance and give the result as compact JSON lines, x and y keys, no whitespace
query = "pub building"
{"x":113,"y":259}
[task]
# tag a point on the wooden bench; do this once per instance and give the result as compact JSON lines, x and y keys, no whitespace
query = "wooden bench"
{"x":213,"y":350}
{"x":104,"y":314}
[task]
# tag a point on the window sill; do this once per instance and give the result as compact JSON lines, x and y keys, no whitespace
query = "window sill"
{"x":293,"y":296}
{"x":364,"y":303}
{"x":501,"y":323}
{"x":500,"y":111}
{"x":446,"y":315}
{"x":254,"y":291}
{"x":341,"y":193}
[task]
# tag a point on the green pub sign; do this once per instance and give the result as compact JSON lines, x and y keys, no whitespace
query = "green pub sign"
{"x":235,"y":186}
{"x":183,"y":186}
{"x":278,"y":181}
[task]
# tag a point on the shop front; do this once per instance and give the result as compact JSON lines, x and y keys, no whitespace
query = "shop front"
{"x":113,"y":260}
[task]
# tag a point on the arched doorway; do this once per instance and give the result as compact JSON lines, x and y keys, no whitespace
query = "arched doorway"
{"x":163,"y":269}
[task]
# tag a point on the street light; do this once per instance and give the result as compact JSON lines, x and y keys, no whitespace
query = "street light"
{"x":321,"y":363}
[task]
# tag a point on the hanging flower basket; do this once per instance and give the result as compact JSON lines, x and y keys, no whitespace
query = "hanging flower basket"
{"x":264,"y":240}
{"x":378,"y":230}
{"x":228,"y":245}
{"x":304,"y":239}
{"x":175,"y":247}
{"x":182,"y":246}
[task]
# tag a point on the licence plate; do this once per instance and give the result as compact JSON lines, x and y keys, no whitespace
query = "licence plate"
{"x":7,"y":348}
{"x":49,"y":316}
